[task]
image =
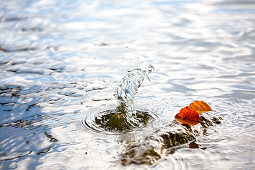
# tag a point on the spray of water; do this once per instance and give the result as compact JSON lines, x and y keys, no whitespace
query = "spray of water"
{"x":124,"y":117}
{"x":125,"y":94}
{"x":129,"y":85}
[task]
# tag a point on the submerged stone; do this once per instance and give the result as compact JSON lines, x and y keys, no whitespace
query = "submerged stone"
{"x":114,"y":121}
{"x":149,"y":149}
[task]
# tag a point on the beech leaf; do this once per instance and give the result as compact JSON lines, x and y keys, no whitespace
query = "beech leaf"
{"x":200,"y":106}
{"x":187,"y":116}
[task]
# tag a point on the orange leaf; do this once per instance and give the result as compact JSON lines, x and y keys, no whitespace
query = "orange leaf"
{"x":187,"y":116}
{"x":185,"y":121}
{"x":200,"y":106}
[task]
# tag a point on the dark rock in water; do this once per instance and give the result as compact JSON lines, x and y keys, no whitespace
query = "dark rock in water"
{"x":114,"y":121}
{"x":149,"y":149}
{"x":122,"y":119}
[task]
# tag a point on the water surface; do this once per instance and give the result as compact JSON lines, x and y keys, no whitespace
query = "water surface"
{"x":61,"y":61}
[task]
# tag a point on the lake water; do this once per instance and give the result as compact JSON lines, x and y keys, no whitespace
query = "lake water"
{"x":61,"y":61}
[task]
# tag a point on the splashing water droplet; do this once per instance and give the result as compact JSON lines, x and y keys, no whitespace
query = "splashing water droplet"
{"x":129,"y":85}
{"x":126,"y":91}
{"x":124,"y":117}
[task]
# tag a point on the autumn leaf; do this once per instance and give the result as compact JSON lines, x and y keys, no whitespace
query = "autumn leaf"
{"x":187,"y":116}
{"x":185,"y":121}
{"x":200,"y":106}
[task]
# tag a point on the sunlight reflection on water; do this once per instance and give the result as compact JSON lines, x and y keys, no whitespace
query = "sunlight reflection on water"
{"x":60,"y":60}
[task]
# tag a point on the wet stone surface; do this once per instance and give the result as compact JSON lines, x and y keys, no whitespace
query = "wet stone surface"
{"x":149,"y":149}
{"x":117,"y":122}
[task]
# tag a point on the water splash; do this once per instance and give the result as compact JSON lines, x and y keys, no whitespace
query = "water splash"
{"x":125,"y":94}
{"x":129,"y":85}
{"x":124,"y":117}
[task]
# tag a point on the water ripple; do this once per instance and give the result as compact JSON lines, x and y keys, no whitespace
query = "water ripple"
{"x":60,"y":62}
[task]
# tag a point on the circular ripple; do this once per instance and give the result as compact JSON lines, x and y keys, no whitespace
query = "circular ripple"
{"x":112,"y":121}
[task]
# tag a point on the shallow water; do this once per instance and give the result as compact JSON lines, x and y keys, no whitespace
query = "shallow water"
{"x":61,"y":61}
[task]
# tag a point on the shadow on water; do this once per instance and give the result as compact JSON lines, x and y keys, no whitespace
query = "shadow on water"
{"x":14,"y":49}
{"x":7,"y":50}
{"x":25,"y":136}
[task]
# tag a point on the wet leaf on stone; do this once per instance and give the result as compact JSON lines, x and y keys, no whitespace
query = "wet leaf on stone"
{"x":200,"y":106}
{"x":187,"y":116}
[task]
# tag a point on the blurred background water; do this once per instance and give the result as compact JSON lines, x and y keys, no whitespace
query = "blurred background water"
{"x":61,"y":61}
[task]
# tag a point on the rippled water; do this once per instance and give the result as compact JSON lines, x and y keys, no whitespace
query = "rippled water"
{"x":61,"y":61}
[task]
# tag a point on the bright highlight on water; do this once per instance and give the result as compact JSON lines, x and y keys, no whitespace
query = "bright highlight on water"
{"x":60,"y":61}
